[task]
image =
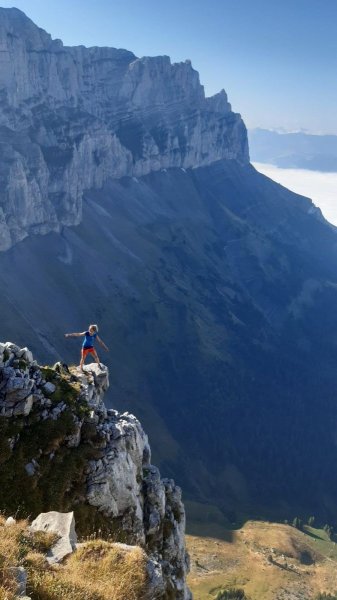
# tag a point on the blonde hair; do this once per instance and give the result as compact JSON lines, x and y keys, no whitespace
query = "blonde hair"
{"x":94,"y":327}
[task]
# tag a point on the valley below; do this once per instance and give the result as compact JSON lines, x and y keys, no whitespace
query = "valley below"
{"x":269,"y":561}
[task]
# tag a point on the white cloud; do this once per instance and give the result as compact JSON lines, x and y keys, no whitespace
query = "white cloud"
{"x":320,"y":187}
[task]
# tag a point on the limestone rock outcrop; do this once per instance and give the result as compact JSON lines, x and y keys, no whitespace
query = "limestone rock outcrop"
{"x":63,"y":525}
{"x":71,"y":118}
{"x":49,"y":429}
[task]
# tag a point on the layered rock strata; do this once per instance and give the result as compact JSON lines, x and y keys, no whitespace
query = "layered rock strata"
{"x":119,"y":484}
{"x":72,"y":118}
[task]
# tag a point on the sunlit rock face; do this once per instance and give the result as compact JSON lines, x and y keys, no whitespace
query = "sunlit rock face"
{"x":71,"y":118}
{"x":116,"y":482}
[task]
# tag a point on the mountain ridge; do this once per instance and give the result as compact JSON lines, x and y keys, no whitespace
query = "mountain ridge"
{"x":297,"y":150}
{"x":214,"y":287}
{"x":72,"y":118}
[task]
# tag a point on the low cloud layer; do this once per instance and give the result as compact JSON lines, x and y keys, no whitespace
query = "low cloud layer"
{"x":320,"y":187}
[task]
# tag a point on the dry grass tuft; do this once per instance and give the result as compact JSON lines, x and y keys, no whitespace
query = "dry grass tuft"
{"x":9,"y":543}
{"x":114,"y":566}
{"x":10,"y":555}
{"x":17,"y":541}
{"x":98,"y":570}
{"x":19,"y":546}
{"x":6,"y":594}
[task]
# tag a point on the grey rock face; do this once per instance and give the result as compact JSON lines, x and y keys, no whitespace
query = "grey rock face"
{"x":73,"y":118}
{"x":121,"y":484}
{"x":63,"y":525}
{"x":18,"y":575}
{"x":16,"y":385}
{"x":124,"y":485}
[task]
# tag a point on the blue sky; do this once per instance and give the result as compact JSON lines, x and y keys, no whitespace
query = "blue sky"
{"x":276,"y":59}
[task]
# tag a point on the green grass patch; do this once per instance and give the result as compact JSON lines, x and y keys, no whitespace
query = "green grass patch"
{"x":67,"y":390}
{"x":321,"y":542}
{"x":59,"y":478}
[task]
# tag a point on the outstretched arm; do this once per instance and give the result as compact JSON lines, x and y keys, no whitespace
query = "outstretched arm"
{"x":74,"y":334}
{"x":102,"y":344}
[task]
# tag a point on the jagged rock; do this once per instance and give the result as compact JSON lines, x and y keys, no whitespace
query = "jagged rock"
{"x":13,"y":348}
{"x":63,"y":524}
{"x":10,"y":521}
{"x":20,"y":387}
{"x":15,"y":388}
{"x":24,"y":407}
{"x":49,"y":387}
{"x":2,"y":350}
{"x":114,"y":483}
{"x":156,"y":500}
{"x":63,"y":133}
{"x":124,"y":484}
{"x":120,"y":482}
{"x":99,"y":381}
{"x":26,"y":355}
{"x":156,"y":580}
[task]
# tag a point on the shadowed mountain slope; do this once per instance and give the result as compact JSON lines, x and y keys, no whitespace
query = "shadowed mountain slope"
{"x":215,"y":289}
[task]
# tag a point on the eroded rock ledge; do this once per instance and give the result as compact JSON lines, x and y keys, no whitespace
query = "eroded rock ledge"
{"x":70,"y":453}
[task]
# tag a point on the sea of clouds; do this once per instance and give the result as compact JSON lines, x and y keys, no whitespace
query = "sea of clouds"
{"x":320,"y":187}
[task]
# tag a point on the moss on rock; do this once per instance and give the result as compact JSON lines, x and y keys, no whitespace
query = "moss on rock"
{"x":59,"y":478}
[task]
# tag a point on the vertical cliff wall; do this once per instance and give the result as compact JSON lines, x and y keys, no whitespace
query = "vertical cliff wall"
{"x":72,"y":118}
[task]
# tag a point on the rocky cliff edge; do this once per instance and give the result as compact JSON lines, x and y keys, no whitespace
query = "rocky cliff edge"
{"x":61,"y":449}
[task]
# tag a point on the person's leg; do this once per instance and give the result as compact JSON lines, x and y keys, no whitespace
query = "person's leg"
{"x":82,"y":359}
{"x":96,"y":356}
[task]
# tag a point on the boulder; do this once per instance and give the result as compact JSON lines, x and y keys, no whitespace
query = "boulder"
{"x":63,"y":524}
{"x":24,"y":407}
{"x":19,"y":387}
{"x":27,"y":355}
{"x":17,"y":575}
{"x":12,"y":348}
{"x":100,"y":374}
{"x":49,"y":387}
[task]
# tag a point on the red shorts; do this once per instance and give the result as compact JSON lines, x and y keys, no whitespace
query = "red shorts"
{"x":86,"y":351}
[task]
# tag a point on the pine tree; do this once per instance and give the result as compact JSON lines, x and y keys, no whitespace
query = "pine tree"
{"x":232,"y":594}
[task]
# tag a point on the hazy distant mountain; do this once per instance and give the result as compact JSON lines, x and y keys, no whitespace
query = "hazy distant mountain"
{"x":215,"y":287}
{"x":294,"y":150}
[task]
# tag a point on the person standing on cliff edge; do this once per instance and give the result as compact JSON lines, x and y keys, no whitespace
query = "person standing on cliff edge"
{"x":88,"y":343}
